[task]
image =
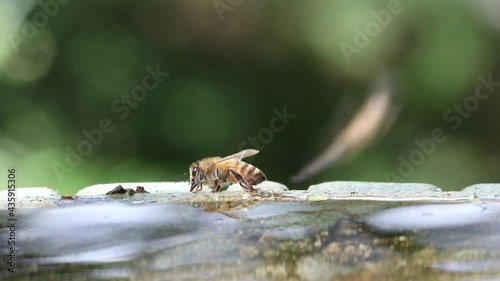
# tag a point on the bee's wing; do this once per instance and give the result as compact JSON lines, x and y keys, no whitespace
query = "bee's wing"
{"x":238,"y":156}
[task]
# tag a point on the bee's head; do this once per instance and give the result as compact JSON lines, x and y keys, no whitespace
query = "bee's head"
{"x":195,"y":176}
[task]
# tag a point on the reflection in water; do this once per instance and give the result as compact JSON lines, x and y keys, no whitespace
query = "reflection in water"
{"x":485,"y":265}
{"x":468,"y":235}
{"x":107,"y":233}
{"x":435,"y":216}
{"x":266,"y":241}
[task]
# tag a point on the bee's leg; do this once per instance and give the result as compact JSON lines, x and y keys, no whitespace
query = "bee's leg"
{"x":216,"y":185}
{"x":217,"y":181}
{"x":199,"y":188}
{"x":245,"y":184}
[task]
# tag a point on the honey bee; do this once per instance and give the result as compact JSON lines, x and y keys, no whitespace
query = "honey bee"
{"x":216,"y":171}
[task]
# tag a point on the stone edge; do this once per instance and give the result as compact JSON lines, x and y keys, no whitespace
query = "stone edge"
{"x":335,"y":190}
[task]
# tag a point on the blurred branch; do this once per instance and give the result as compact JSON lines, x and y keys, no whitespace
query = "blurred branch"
{"x":372,"y":119}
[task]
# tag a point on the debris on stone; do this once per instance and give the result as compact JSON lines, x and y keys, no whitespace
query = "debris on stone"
{"x":140,"y":189}
{"x":120,"y":190}
{"x":117,"y":190}
{"x":68,"y":197}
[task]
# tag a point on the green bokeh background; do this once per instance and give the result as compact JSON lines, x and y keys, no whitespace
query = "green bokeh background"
{"x":63,"y":64}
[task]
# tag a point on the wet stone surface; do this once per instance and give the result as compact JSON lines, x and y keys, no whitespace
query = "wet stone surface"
{"x":332,"y":231}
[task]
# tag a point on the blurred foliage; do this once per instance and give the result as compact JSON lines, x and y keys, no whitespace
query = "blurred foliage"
{"x":63,"y":64}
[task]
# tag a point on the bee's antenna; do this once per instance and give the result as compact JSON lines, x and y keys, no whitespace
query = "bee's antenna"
{"x":185,"y":174}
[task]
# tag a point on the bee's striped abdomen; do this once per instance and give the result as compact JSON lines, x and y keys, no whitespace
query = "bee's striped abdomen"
{"x":252,"y":174}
